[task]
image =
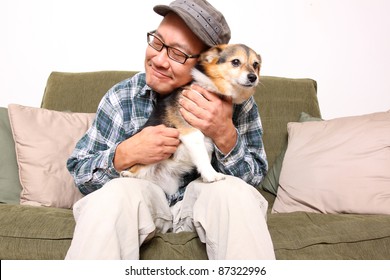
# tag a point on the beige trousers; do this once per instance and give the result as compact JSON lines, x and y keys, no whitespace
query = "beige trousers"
{"x":228,"y":215}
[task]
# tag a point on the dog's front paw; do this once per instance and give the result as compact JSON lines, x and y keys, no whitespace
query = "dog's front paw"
{"x":126,"y":173}
{"x":215,"y":176}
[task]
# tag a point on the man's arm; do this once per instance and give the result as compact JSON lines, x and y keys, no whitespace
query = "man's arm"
{"x":150,"y":145}
{"x":114,"y":144}
{"x":91,"y":163}
{"x":237,"y":134}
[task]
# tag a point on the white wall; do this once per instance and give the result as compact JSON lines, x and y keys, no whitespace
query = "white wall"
{"x":343,"y":44}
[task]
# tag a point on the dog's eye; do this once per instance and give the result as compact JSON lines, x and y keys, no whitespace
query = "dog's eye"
{"x":236,"y":62}
{"x":255,"y":65}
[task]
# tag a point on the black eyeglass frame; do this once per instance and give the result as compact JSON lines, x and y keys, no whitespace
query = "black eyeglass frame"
{"x":169,"y":48}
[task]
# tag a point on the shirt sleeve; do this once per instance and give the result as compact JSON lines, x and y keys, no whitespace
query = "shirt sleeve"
{"x":247,"y":160}
{"x":91,"y":163}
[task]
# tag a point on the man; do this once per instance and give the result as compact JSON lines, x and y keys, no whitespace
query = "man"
{"x":118,"y":214}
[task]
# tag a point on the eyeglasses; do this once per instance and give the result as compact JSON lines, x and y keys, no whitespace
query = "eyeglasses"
{"x":173,"y":53}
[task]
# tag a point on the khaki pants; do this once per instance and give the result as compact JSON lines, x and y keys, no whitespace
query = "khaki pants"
{"x":228,"y":215}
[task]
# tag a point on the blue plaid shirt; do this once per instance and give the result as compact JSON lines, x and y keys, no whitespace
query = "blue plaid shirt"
{"x":123,"y":111}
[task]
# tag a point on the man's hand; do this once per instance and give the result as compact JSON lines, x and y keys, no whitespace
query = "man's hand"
{"x":211,"y":115}
{"x":150,"y":145}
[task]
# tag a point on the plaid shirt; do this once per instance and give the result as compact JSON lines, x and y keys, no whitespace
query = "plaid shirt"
{"x":123,"y":111}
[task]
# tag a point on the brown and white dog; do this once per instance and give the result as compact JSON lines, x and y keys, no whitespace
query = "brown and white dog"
{"x":228,"y":70}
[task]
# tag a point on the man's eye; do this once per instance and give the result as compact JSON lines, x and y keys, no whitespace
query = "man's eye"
{"x":177,"y":53}
{"x":157,"y":43}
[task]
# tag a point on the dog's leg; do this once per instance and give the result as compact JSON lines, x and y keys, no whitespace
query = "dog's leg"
{"x":164,"y":174}
{"x":195,"y":144}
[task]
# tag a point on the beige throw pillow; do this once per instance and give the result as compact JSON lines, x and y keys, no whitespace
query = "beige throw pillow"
{"x":44,"y":140}
{"x":337,"y":166}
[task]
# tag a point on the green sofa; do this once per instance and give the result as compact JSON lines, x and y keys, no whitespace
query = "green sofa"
{"x":28,"y":232}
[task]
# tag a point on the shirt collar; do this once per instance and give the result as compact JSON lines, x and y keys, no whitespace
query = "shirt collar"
{"x":147,"y":91}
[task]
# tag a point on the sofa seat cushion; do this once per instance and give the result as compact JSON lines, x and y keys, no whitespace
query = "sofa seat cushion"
{"x":28,"y":232}
{"x":174,"y":246}
{"x":302,"y":235}
{"x":315,"y":236}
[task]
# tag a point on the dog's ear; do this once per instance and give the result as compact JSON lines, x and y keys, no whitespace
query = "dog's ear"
{"x":259,"y":61}
{"x":259,"y":57}
{"x":213,"y":54}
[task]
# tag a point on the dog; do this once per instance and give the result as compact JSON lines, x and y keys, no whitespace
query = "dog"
{"x":228,"y":70}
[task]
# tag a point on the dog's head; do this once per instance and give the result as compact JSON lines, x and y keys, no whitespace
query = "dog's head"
{"x":231,"y":70}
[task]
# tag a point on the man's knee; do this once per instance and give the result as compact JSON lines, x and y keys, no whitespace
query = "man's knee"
{"x":118,"y":191}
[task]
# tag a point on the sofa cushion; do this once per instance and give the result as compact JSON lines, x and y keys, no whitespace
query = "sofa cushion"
{"x":10,"y":186}
{"x":337,"y":166}
{"x":314,"y":236}
{"x":28,"y":232}
{"x":271,"y":180}
{"x":44,"y":141}
{"x":281,"y":100}
{"x":45,"y":233}
{"x":79,"y":92}
{"x":174,"y":246}
{"x":303,"y":235}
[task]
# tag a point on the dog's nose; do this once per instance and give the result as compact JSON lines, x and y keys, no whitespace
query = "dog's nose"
{"x":252,"y":77}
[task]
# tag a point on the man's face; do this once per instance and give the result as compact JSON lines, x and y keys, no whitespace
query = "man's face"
{"x":162,"y":73}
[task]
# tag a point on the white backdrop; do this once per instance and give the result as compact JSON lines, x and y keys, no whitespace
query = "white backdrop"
{"x":343,"y":44}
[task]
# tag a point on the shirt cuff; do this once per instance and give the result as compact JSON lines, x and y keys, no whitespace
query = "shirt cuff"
{"x":234,"y":156}
{"x":109,"y":164}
